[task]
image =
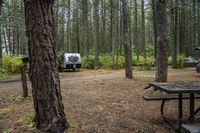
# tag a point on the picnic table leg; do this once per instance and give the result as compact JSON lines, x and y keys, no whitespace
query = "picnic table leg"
{"x":180,"y":111}
{"x":191,"y":120}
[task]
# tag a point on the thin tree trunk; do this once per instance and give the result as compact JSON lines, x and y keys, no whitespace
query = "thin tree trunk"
{"x":136,"y":32}
{"x":69,"y":26}
{"x":127,"y":47}
{"x":14,"y":30}
{"x":43,"y":72}
{"x":112,"y":30}
{"x":162,"y":41}
{"x":174,"y":47}
{"x":5,"y":43}
{"x":143,"y":30}
{"x":154,"y":27}
{"x":96,"y":27}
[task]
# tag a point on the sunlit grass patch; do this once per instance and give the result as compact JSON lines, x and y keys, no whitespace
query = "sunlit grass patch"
{"x":4,"y":111}
{"x":119,"y":93}
{"x":139,"y":78}
{"x":6,"y":131}
{"x":28,"y":121}
{"x":16,"y":97}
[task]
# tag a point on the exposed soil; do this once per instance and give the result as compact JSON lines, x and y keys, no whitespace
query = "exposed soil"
{"x":96,"y":101}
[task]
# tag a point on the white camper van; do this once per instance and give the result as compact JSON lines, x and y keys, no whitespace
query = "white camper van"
{"x":69,"y":61}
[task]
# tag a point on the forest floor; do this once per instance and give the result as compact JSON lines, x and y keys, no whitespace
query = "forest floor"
{"x":96,"y":101}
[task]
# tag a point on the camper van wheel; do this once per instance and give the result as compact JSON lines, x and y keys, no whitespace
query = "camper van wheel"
{"x":74,"y":67}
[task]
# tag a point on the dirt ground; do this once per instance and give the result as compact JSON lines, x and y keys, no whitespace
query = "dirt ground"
{"x":96,"y":101}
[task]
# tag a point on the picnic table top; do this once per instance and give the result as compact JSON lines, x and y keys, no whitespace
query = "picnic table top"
{"x":177,"y":87}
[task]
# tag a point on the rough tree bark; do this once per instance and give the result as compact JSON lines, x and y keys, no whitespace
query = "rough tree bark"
{"x":162,"y":41}
{"x":43,"y":73}
{"x":1,"y":2}
{"x":175,"y":35}
{"x":127,"y":47}
{"x":154,"y":27}
{"x":136,"y":31}
{"x":96,"y":29}
{"x":143,"y":29}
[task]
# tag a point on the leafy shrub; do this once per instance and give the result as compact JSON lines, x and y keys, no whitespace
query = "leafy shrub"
{"x":169,"y":60}
{"x":90,"y":63}
{"x":17,"y":97}
{"x":180,"y":62}
{"x":3,"y":74}
{"x":149,"y":61}
{"x":11,"y":64}
{"x":146,"y":67}
{"x":29,"y":121}
{"x":108,"y":64}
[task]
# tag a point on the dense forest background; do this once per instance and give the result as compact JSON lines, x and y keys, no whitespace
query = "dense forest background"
{"x":94,"y":29}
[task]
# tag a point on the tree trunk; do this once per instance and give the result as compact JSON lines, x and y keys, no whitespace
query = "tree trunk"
{"x":4,"y":38}
{"x":112,"y":28}
{"x":69,"y":26}
{"x":23,"y":68}
{"x":127,"y":47}
{"x":136,"y":32}
{"x":162,"y":41}
{"x":154,"y":27}
{"x":1,"y":52}
{"x":96,"y":27}
{"x":43,"y":72}
{"x":14,"y":29}
{"x":174,"y":47}
{"x":143,"y":30}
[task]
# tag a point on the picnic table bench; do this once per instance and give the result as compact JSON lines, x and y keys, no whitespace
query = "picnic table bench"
{"x":179,"y":91}
{"x":191,"y":128}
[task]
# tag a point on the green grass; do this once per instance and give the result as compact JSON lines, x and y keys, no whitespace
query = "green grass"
{"x":6,"y":131}
{"x":119,"y":93}
{"x":28,"y":121}
{"x":16,"y":97}
{"x":5,"y":111}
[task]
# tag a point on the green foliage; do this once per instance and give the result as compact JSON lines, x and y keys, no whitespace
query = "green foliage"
{"x":169,"y":60}
{"x":88,"y":63}
{"x":119,"y":93}
{"x":139,"y":78}
{"x":6,"y":131}
{"x":149,"y":49}
{"x":3,"y":74}
{"x":11,"y":64}
{"x":17,"y":97}
{"x":105,"y":62}
{"x":180,"y":62}
{"x":149,"y":61}
{"x":108,"y":64}
{"x":29,"y":121}
{"x":4,"y":111}
{"x":146,"y":67}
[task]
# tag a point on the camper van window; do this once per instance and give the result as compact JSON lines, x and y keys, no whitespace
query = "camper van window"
{"x":73,"y":58}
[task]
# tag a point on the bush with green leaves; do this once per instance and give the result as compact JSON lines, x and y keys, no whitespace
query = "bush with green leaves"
{"x":90,"y":62}
{"x":11,"y":64}
{"x":3,"y":74}
{"x":108,"y":64}
{"x":180,"y":62}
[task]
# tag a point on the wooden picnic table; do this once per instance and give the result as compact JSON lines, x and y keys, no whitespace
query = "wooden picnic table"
{"x":179,"y":88}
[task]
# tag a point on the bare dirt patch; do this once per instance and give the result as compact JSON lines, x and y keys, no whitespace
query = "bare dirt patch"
{"x":96,"y":102}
